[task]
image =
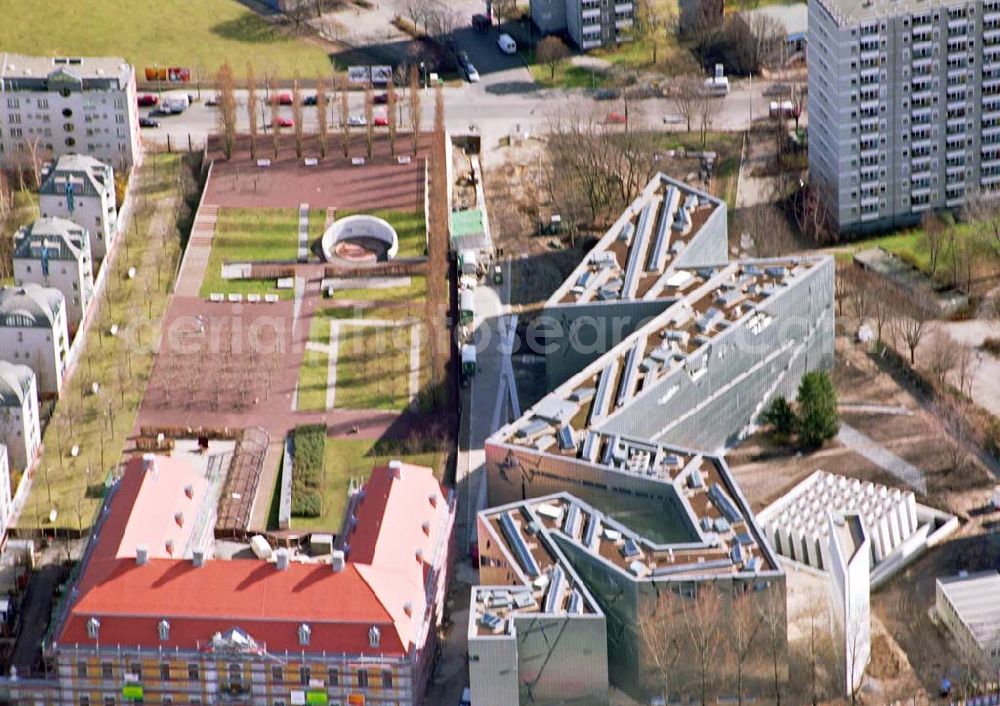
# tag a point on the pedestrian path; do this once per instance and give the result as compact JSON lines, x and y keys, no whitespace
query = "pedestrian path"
{"x":199,"y":246}
{"x":303,"y":232}
{"x":882,"y":457}
{"x":331,"y":372}
{"x":414,"y":364}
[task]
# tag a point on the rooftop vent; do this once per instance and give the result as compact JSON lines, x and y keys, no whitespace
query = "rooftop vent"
{"x":281,"y":559}
{"x":408,"y":608}
{"x":433,"y":499}
{"x":337,"y":562}
{"x":169,"y":546}
{"x":395,"y":466}
{"x":426,"y":527}
{"x":420,"y":555}
{"x":141,"y":555}
{"x":198,"y":557}
{"x":179,"y":518}
{"x":189,"y":491}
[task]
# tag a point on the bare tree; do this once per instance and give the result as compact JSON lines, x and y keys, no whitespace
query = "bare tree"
{"x":275,"y":120}
{"x":707,"y":108}
{"x":775,"y":634}
{"x":913,"y":319}
{"x":36,"y":156}
{"x":252,"y":126}
{"x":686,"y":96}
{"x":661,"y":640}
{"x":743,"y":630}
{"x":322,"y":116}
{"x":345,"y":123}
{"x":391,"y":109}
{"x":942,"y":355}
{"x":415,"y":114}
{"x":297,"y":116}
{"x":297,"y":11}
{"x":369,"y":120}
{"x":227,"y":107}
{"x":417,"y":11}
{"x":703,"y":625}
{"x":968,"y":361}
{"x":654,"y":20}
{"x":552,"y":52}
{"x":982,"y":209}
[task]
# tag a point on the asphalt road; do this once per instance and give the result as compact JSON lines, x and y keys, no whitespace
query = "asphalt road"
{"x":504,"y":101}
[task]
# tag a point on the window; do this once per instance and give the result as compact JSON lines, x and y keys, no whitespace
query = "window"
{"x":165,"y":671}
{"x":304,"y":675}
{"x":109,"y":701}
{"x":305,"y":632}
{"x":167,"y":699}
{"x":70,"y":142}
{"x":193,"y":672}
{"x":277,"y":675}
{"x":363,"y":678}
{"x":235,"y":673}
{"x":135,"y":669}
{"x":81,"y":669}
{"x":373,"y":636}
{"x":333,"y":676}
{"x":84,"y":700}
{"x":163,"y":628}
{"x":386,"y":678}
{"x":67,"y":112}
{"x":107,"y":671}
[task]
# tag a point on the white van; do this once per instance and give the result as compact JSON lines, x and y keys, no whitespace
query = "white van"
{"x":175,"y":102}
{"x":507,"y":44}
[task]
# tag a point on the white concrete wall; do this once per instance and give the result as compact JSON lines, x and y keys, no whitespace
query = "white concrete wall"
{"x":5,"y":500}
{"x":19,"y":430}
{"x":95,"y":213}
{"x":41,"y":349}
{"x":493,"y":672}
{"x":74,"y":279}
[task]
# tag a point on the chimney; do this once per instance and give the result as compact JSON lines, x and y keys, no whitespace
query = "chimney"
{"x":198,"y":557}
{"x":141,"y":555}
{"x":426,"y":527}
{"x":149,"y":462}
{"x":179,"y":518}
{"x":189,"y":491}
{"x":281,"y":559}
{"x":395,"y":467}
{"x":337,"y":562}
{"x":434,"y":499}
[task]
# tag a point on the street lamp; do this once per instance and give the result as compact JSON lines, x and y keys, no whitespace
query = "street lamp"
{"x":423,"y":72}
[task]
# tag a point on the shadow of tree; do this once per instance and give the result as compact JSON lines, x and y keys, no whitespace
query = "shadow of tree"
{"x":248,"y":28}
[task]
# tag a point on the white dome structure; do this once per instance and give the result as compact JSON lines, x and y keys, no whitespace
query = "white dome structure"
{"x":363,"y":232}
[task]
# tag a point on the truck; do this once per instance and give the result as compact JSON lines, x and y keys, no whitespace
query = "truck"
{"x":466,"y":306}
{"x":175,"y":102}
{"x":469,"y":367}
{"x":468,"y":263}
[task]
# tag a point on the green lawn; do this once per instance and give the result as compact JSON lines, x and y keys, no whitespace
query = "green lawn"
{"x":373,"y":367}
{"x":314,"y":373}
{"x":727,"y":145}
{"x":251,"y":235}
{"x":411,"y":229}
{"x":348,"y":459}
{"x":121,"y":364}
{"x":317,"y":223}
{"x":393,"y":303}
{"x":166,"y":33}
{"x":911,"y":247}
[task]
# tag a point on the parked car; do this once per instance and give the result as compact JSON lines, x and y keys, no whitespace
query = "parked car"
{"x":380,"y":98}
{"x":380,"y":121}
{"x":463,"y":58}
{"x":357,"y":121}
{"x":148,"y":122}
{"x":284,"y":99}
{"x":147,"y":100}
{"x":466,"y":697}
{"x":777,"y":89}
{"x":617,"y":119}
{"x":212,"y":101}
{"x":507,"y":44}
{"x":309,"y":100}
{"x":282,"y":121}
{"x":471,"y":73}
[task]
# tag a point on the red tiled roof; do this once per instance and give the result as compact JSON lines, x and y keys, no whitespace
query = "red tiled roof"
{"x":382,"y":583}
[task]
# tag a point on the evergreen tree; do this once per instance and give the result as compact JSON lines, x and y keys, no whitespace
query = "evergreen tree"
{"x":817,"y":419}
{"x":780,"y":416}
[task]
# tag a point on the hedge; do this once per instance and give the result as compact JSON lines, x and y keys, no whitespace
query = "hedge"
{"x":309,"y":444}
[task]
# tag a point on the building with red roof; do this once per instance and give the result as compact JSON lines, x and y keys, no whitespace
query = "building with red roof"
{"x":155,"y":617}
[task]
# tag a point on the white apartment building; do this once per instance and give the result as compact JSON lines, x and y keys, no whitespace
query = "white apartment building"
{"x":848,"y":553}
{"x":5,"y":496}
{"x":82,"y":189}
{"x":64,"y":105}
{"x":54,"y":252}
{"x":904,"y":107}
{"x":19,"y":425}
{"x":589,"y":23}
{"x":33,"y":332}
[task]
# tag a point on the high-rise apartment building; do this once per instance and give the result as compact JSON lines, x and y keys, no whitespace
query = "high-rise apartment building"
{"x":904,"y":107}
{"x":589,"y":23}
{"x":51,"y":106}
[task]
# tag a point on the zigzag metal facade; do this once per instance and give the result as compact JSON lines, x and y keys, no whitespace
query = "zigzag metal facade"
{"x":603,"y":473}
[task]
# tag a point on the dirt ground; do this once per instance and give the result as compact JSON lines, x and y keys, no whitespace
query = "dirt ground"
{"x":910,"y":653}
{"x":334,"y":182}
